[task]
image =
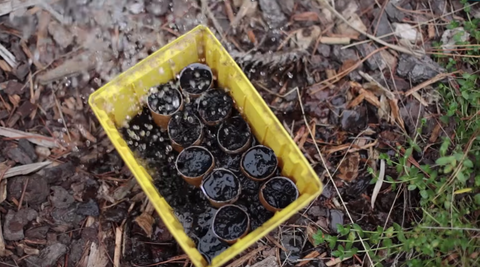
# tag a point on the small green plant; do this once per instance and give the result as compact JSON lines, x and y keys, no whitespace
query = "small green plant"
{"x":445,"y":230}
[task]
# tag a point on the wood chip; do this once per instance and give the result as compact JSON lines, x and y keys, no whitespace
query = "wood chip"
{"x":310,"y":256}
{"x":145,"y":221}
{"x":4,"y":66}
{"x":33,"y":138}
{"x":118,"y":246}
{"x":3,"y":250}
{"x":97,"y":256}
{"x":26,"y":169}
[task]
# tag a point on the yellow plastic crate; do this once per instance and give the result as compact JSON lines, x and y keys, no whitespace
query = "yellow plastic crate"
{"x":123,"y":96}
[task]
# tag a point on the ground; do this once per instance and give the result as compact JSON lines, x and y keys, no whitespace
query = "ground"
{"x":381,"y":96}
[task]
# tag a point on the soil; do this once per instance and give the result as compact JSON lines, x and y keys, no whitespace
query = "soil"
{"x":214,"y":105}
{"x":196,"y":80}
{"x":230,"y":222}
{"x":229,"y":161}
{"x":259,"y":162}
{"x":185,"y":128}
{"x":279,"y":193}
{"x":221,"y":185}
{"x":153,"y":148}
{"x":164,"y":99}
{"x":234,"y":133}
{"x":194,"y":161}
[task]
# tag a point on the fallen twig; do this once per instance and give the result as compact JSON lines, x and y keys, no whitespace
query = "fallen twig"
{"x":118,"y":246}
{"x":435,"y":79}
{"x":334,"y":40}
{"x":26,"y":169}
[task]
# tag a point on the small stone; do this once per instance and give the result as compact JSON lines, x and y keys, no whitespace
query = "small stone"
{"x":62,"y":36}
{"x":48,"y":256}
{"x":375,"y":61}
{"x":89,"y":208}
{"x":136,"y":8}
{"x":317,"y":211}
{"x":12,"y":230}
{"x":15,"y":88}
{"x":37,"y":233}
{"x":61,"y":198}
{"x":336,"y":217}
{"x":64,"y":239}
{"x":42,"y":151}
{"x":58,"y":174}
{"x":116,"y":214}
{"x":157,"y":7}
{"x":21,"y":71}
{"x":272,"y":13}
{"x":417,"y":70}
{"x":67,"y":216}
{"x":36,"y":192}
{"x":18,"y":155}
{"x":383,"y":27}
{"x":28,"y":148}
{"x":324,"y":50}
{"x":14,"y":223}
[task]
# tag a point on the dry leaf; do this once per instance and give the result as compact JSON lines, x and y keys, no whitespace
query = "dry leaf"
{"x":370,"y":97}
{"x":4,"y":66}
{"x":384,"y":110}
{"x":33,"y":138}
{"x":406,"y":31}
{"x":355,"y":102}
{"x":379,"y":183}
{"x":145,"y":220}
{"x":396,"y":112}
{"x":26,"y":169}
{"x":345,"y":30}
{"x":348,"y":169}
{"x":389,"y":59}
{"x":435,"y":133}
{"x":85,"y":133}
{"x":307,"y":36}
{"x":15,"y":100}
